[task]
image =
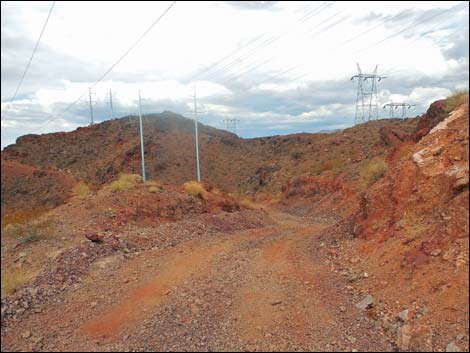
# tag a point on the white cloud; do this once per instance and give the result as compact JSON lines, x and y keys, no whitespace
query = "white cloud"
{"x":83,"y":39}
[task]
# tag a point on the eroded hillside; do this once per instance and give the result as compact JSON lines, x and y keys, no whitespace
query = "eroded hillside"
{"x":356,"y":240}
{"x":99,"y":153}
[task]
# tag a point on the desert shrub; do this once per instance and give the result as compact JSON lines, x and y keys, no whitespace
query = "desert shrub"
{"x":125,"y":182}
{"x":154,"y":189}
{"x":455,"y":99}
{"x":196,"y":189}
{"x":154,"y":186}
{"x":13,"y":279}
{"x":296,"y":155}
{"x":372,"y":172}
{"x":80,"y":189}
{"x":31,"y":230}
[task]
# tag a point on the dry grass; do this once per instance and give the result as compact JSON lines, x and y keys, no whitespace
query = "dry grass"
{"x":372,"y":172}
{"x":31,"y":230}
{"x":13,"y":279}
{"x":455,"y":99}
{"x":154,"y":186}
{"x":196,"y":189}
{"x":19,"y":217}
{"x":80,"y":189}
{"x":125,"y":182}
{"x":247,"y":202}
{"x":153,"y":189}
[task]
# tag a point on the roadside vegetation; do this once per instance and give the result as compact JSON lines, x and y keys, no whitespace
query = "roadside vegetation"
{"x":196,"y":189}
{"x":13,"y":279}
{"x":80,"y":189}
{"x":372,"y":172}
{"x":125,"y":182}
{"x":455,"y":99}
{"x":31,"y":230}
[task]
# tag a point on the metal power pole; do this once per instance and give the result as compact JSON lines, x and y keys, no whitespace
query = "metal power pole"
{"x":366,"y":99}
{"x":231,"y":125}
{"x":394,"y":106}
{"x":91,"y":107}
{"x":111,"y":103}
{"x":197,"y":137}
{"x":142,"y":139}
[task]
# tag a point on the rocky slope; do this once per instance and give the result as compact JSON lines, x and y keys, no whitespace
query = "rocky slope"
{"x":97,"y":154}
{"x":355,"y":240}
{"x":410,"y":235}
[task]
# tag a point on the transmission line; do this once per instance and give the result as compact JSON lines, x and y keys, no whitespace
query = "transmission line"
{"x":273,"y":39}
{"x":413,"y":25}
{"x":237,"y":50}
{"x":31,"y":58}
{"x":114,"y":64}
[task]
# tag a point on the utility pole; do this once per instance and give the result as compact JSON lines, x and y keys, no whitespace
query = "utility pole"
{"x":142,"y":139}
{"x":394,"y":106}
{"x":197,"y":137}
{"x":111,"y":103}
{"x":366,"y":100}
{"x":91,"y":107}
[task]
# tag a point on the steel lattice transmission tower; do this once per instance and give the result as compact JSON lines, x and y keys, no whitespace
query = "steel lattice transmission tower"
{"x":367,"y":106}
{"x":231,"y":125}
{"x":393,"y":107}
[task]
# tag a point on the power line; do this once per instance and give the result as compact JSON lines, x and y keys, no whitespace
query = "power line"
{"x":32,"y":55}
{"x":232,"y":53}
{"x":214,"y":65}
{"x":413,"y":25}
{"x":342,"y":44}
{"x":275,"y":38}
{"x":114,"y":65}
{"x":370,"y":29}
{"x":324,"y":21}
{"x":271,"y":40}
{"x":366,"y":32}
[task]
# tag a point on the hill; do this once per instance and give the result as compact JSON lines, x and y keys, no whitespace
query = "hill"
{"x":98,"y":153}
{"x":354,"y":240}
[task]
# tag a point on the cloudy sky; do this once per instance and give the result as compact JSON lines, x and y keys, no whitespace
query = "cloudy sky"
{"x":278,"y":67}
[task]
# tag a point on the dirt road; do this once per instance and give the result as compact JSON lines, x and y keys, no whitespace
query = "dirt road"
{"x":255,"y":290}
